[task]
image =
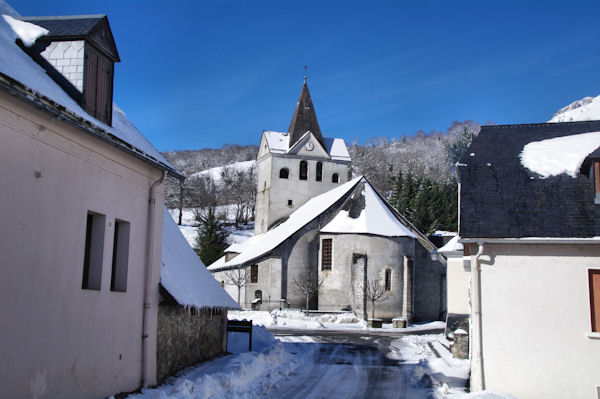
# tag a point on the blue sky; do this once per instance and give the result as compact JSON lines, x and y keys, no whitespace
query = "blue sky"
{"x":196,"y":74}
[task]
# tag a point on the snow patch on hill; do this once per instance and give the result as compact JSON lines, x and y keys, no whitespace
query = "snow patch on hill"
{"x":586,"y":109}
{"x":216,"y":174}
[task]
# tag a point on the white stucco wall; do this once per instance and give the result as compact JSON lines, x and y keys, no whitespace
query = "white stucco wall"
{"x":59,"y":340}
{"x":67,"y":58}
{"x":535,"y":320}
{"x":459,"y":277}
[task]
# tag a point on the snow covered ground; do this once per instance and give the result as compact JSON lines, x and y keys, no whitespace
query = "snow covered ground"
{"x":216,"y":173}
{"x":189,"y":225}
{"x":423,"y":366}
{"x":294,"y":319}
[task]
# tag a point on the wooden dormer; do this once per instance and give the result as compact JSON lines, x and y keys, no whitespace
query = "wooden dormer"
{"x":79,"y":54}
{"x":591,"y":168}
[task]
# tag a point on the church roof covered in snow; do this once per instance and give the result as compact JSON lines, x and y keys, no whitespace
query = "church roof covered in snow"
{"x":184,"y":276}
{"x":369,"y":215}
{"x":23,"y":77}
{"x":364,"y":203}
{"x":279,"y":143}
{"x":526,"y":181}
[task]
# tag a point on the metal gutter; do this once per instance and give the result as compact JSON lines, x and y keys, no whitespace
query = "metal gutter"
{"x":532,"y":240}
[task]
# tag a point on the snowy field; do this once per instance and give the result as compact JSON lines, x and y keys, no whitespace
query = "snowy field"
{"x":302,"y":366}
{"x":189,"y":225}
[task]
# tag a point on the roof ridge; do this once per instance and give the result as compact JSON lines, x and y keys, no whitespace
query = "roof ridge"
{"x":59,"y":17}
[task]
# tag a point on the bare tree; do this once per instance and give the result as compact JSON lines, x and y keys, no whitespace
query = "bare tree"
{"x":306,"y":283}
{"x":237,"y":277}
{"x":373,"y":291}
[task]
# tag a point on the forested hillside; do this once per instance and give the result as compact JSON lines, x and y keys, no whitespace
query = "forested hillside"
{"x":416,"y":173}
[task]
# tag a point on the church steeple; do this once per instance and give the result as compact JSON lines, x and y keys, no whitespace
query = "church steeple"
{"x":304,"y":118}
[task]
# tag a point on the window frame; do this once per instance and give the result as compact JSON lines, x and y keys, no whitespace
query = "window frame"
{"x":303,"y":169}
{"x":93,"y":257}
{"x":387,"y":282}
{"x":254,"y":274}
{"x":594,"y":301}
{"x":335,"y":178}
{"x":120,"y":256}
{"x":326,"y":254}
{"x":319,"y":171}
{"x":285,"y":171}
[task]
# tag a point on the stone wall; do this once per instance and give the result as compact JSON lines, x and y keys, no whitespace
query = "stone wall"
{"x":187,"y":336}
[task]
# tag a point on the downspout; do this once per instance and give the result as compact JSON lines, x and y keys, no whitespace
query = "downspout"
{"x":477,"y":377}
{"x":148,"y":278}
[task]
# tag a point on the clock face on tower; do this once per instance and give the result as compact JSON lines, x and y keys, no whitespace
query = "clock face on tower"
{"x":309,"y":146}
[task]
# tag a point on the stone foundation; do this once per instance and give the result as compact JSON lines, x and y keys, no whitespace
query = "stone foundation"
{"x":187,"y":336}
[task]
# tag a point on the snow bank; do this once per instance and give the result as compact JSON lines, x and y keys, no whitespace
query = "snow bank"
{"x":586,"y":109}
{"x":184,"y":275}
{"x":27,"y":32}
{"x":559,"y":155}
{"x":376,"y":218}
{"x":245,"y":375}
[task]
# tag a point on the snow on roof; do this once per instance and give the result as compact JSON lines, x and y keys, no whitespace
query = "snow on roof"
{"x":279,"y":143}
{"x":184,"y":275}
{"x":451,"y":246}
{"x":19,"y":66}
{"x":28,"y":33}
{"x":555,"y":156}
{"x":376,"y":218}
{"x":216,"y":173}
{"x":586,"y":109}
{"x":298,"y":219}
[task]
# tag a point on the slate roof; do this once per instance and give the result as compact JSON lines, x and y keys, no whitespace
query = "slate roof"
{"x":304,"y":119}
{"x":72,"y":25}
{"x":502,"y":199}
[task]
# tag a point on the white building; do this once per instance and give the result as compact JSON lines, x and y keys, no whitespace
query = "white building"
{"x":81,"y":221}
{"x":529,"y":221}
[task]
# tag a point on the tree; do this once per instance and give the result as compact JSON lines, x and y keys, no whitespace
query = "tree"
{"x":237,"y":277}
{"x":212,"y":237}
{"x":373,"y":291}
{"x":306,"y":283}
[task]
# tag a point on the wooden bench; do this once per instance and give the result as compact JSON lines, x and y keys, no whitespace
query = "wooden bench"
{"x":241,"y":326}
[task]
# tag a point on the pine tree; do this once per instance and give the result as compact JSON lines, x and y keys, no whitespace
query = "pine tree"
{"x":212,"y":237}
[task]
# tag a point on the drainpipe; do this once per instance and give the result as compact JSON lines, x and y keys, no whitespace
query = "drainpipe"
{"x":148,"y":279}
{"x":477,"y":377}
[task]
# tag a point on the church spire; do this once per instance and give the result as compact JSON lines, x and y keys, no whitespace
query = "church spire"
{"x":304,"y":118}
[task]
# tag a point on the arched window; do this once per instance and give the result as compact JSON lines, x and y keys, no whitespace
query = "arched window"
{"x":319,"y":175}
{"x":335,"y":178}
{"x":258,"y":294}
{"x":303,"y":170}
{"x":284,"y":173}
{"x":388,"y":279}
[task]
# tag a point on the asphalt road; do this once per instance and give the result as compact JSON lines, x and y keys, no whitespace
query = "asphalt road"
{"x":346,"y":364}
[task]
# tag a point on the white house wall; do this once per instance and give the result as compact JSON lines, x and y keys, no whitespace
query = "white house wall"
{"x":59,"y":340}
{"x":459,"y":278}
{"x":536,"y":314}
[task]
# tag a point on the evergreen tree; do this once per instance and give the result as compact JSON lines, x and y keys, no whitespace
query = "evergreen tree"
{"x":212,"y":237}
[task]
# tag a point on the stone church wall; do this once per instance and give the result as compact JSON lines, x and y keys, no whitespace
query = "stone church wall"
{"x":188,"y":336}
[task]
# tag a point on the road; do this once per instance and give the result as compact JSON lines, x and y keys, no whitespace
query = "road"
{"x":346,"y":364}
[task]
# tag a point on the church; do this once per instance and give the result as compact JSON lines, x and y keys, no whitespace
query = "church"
{"x":313,"y":218}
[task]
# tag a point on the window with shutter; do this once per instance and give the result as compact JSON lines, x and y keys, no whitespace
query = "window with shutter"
{"x":594,"y":279}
